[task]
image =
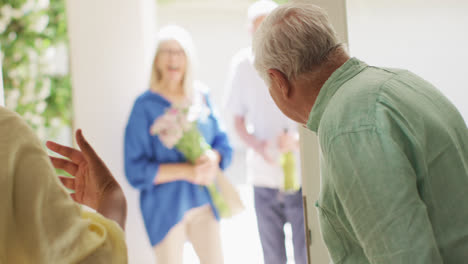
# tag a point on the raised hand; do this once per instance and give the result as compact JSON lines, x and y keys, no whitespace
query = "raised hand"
{"x":93,"y":182}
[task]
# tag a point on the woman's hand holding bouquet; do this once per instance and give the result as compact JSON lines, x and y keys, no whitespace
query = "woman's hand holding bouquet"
{"x":206,"y":167}
{"x":177,"y":128}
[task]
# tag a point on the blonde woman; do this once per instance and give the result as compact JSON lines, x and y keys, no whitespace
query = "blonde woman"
{"x":175,"y":203}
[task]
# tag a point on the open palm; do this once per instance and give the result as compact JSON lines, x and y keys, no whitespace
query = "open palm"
{"x":92,"y":179}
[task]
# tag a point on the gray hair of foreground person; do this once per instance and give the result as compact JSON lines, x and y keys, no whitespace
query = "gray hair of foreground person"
{"x":294,"y":39}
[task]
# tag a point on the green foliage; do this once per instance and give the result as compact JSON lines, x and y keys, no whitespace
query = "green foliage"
{"x":30,"y":32}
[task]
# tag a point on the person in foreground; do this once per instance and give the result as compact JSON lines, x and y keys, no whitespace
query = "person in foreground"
{"x":40,"y":222}
{"x":394,"y":150}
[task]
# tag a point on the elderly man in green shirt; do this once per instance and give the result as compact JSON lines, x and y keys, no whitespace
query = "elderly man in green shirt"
{"x":394,"y":150}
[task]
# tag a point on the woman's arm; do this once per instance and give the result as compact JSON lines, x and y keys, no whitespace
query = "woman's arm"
{"x":203,"y":172}
{"x":175,"y":172}
{"x":220,"y":143}
{"x":141,"y":169}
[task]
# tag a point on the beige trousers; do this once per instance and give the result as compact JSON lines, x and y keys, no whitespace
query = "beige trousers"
{"x":200,"y":227}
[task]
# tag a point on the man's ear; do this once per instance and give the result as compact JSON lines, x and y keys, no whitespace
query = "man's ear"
{"x":280,"y":80}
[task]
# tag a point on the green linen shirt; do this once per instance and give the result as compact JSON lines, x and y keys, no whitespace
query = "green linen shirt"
{"x":394,"y":169}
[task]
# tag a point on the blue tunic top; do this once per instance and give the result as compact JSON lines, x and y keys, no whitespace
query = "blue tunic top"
{"x":164,"y":205}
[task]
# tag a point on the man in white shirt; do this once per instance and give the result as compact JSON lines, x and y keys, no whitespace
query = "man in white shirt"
{"x":273,"y":135}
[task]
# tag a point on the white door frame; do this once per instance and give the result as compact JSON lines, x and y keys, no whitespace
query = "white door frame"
{"x":310,"y":157}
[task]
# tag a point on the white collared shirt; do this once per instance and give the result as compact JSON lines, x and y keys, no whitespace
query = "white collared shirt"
{"x":249,"y":97}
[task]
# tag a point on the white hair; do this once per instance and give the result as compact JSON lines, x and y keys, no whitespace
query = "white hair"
{"x":179,"y":34}
{"x":293,"y":39}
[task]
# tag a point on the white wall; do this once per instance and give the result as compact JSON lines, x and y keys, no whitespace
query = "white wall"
{"x":110,"y":42}
{"x":318,"y":252}
{"x":427,"y":37}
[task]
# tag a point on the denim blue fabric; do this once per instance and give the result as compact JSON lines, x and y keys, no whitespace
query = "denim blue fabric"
{"x":164,"y":205}
{"x":274,"y":209}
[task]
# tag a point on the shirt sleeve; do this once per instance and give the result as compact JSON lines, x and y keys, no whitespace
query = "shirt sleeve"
{"x":113,"y":246}
{"x":378,"y":188}
{"x":140,"y":168}
{"x":235,"y":102}
{"x":221,"y":141}
{"x":44,"y":224}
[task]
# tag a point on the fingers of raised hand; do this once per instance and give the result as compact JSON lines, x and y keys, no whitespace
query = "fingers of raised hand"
{"x":68,"y":152}
{"x":84,"y":145}
{"x":74,"y":197}
{"x":68,"y":182}
{"x":64,"y":164}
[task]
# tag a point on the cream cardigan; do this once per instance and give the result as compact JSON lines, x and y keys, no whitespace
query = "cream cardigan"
{"x":39,"y":222}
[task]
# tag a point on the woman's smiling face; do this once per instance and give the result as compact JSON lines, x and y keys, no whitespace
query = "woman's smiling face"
{"x":171,"y":61}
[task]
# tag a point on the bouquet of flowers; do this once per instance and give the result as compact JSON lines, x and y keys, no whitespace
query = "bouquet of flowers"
{"x":177,"y":127}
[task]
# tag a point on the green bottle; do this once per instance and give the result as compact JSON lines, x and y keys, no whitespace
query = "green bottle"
{"x":288,"y":163}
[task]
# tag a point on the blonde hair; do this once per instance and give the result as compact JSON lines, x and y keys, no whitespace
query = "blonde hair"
{"x":293,"y":39}
{"x":179,"y":34}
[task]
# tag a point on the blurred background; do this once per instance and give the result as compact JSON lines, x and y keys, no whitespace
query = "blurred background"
{"x":70,"y":64}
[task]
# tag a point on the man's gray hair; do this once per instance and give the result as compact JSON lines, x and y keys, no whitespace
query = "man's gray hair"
{"x":293,"y":39}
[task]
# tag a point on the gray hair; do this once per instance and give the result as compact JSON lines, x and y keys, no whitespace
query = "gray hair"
{"x":293,"y":39}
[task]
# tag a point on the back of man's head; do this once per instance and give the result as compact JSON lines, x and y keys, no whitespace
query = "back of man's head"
{"x":294,"y":38}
